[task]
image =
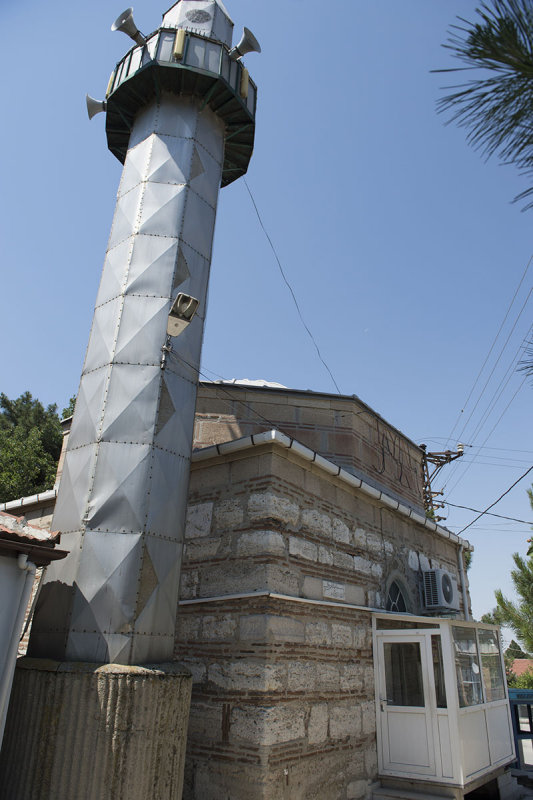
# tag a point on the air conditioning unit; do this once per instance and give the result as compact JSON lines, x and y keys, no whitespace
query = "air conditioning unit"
{"x":440,"y":590}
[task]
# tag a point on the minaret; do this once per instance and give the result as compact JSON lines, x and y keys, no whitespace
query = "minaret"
{"x":180,"y":110}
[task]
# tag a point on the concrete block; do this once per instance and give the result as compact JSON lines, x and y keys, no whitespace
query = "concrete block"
{"x":302,"y":676}
{"x":357,"y":790}
{"x":261,"y":543}
{"x":333,"y":590}
{"x":340,"y":531}
{"x":389,"y":548}
{"x":268,"y":505}
{"x":300,"y":548}
{"x":312,"y":587}
{"x":229,"y":514}
{"x":362,"y":565}
{"x":317,"y":727}
{"x":341,"y":635}
{"x":198,"y":521}
{"x":359,"y":538}
{"x":352,"y":677}
{"x":248,"y":676}
{"x":424,"y":562}
{"x":188,"y":627}
{"x":376,"y":570}
{"x":316,"y":522}
{"x":267,"y":627}
{"x":368,"y":715}
{"x":189,"y":584}
{"x":317,"y":633}
{"x":325,"y":556}
{"x":374,"y":544}
{"x":413,"y":560}
{"x":205,"y":722}
{"x":328,"y":677}
{"x":354,"y":595}
{"x":344,"y":721}
{"x":218,"y":627}
{"x":371,"y":761}
{"x":343,"y":560}
{"x":362,"y":637}
{"x":267,"y":725}
{"x":200,"y":549}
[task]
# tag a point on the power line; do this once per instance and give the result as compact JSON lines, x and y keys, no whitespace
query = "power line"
{"x":496,"y":362}
{"x":290,"y":287}
{"x":477,"y":511}
{"x":490,"y":351}
{"x":490,"y":433}
{"x":482,"y":513}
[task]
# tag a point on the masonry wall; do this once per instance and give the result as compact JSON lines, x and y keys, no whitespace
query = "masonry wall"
{"x":342,"y":429}
{"x":283,"y":692}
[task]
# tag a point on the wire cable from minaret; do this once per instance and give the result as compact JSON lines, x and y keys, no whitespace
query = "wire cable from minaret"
{"x":290,"y":287}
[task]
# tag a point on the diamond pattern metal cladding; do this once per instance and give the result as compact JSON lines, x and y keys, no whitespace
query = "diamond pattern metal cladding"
{"x":106,"y":596}
{"x":125,"y":221}
{"x":136,"y":165}
{"x":147,"y":581}
{"x":145,"y":124}
{"x":103,"y":332}
{"x":131,"y":404}
{"x":114,"y":648}
{"x":152,"y":263}
{"x":73,"y":495}
{"x":162,"y":209}
{"x":176,"y":122}
{"x":210,"y":134}
{"x":206,"y":182}
{"x":182,"y":272}
{"x":170,"y":160}
{"x":114,"y":272}
{"x":87,"y":416}
{"x":199,"y":225}
{"x":119,"y":500}
{"x":159,"y":612}
{"x":178,"y":400}
{"x":169,"y":479}
{"x":142,"y":330}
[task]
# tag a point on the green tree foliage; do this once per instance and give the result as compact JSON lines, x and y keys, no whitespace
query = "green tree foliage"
{"x":30,"y":444}
{"x":496,"y":106}
{"x":519,"y":616}
{"x":68,"y":411}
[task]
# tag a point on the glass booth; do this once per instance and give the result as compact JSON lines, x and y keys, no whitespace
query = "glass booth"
{"x":441,"y":699}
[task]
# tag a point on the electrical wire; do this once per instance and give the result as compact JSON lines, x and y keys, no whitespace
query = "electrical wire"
{"x":477,"y":511}
{"x":290,"y":287}
{"x":489,"y":434}
{"x":482,"y":513}
{"x":490,"y":351}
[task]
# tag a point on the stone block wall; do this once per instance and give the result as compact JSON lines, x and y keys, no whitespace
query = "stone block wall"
{"x":283,"y":700}
{"x":283,"y":563}
{"x":342,"y":429}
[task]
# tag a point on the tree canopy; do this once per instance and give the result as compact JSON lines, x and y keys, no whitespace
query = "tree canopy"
{"x":497,"y":107}
{"x":30,"y":444}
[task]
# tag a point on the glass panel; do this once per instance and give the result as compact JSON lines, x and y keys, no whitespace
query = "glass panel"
{"x":166,"y":43}
{"x":233,"y":74}
{"x":118,"y":76}
{"x":135,"y":60}
{"x":251,"y":98}
{"x":225,"y":65}
{"x":195,"y":53}
{"x":149,"y":50}
{"x":212,"y":57}
{"x":403,"y":674}
{"x":395,"y":599}
{"x":491,"y":665}
{"x":438,"y":671}
{"x":467,"y":667}
{"x":524,"y":719}
{"x":392,"y":623}
{"x":525,"y":752}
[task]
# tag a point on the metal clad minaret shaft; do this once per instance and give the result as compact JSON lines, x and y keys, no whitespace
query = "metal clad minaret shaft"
{"x":123,"y":493}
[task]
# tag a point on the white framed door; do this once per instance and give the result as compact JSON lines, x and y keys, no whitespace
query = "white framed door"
{"x":406,"y":708}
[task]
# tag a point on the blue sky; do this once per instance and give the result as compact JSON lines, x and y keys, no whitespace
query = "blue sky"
{"x":400,"y":242}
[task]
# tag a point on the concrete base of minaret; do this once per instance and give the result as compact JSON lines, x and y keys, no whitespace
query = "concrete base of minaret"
{"x":94,"y":731}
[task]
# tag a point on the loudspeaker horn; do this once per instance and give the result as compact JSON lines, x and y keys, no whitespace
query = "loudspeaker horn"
{"x":126,"y":24}
{"x":248,"y":44}
{"x":94,"y":106}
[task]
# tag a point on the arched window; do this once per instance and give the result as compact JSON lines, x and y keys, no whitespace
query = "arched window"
{"x":396,"y":598}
